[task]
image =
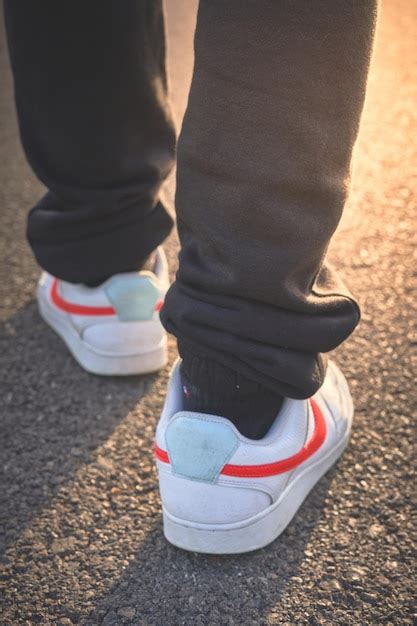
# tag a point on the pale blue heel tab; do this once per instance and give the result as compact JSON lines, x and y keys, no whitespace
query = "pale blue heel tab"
{"x":199,"y":447}
{"x":133,"y":296}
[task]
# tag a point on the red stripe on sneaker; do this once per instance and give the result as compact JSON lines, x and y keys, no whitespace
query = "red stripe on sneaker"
{"x":286,"y":465}
{"x":278,"y":467}
{"x":81,"y":309}
{"x":160,"y":454}
{"x":77,"y":309}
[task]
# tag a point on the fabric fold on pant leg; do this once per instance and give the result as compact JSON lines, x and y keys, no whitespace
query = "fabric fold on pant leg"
{"x":91,"y":95}
{"x":263,"y":173}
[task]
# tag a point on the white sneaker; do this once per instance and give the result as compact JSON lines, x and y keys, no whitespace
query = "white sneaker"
{"x":224,"y":493}
{"x":113,"y":329}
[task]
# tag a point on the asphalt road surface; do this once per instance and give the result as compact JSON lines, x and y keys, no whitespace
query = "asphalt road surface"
{"x":81,"y":536}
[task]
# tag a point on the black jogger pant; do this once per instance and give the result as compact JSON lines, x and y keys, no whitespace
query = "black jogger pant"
{"x":263,"y":164}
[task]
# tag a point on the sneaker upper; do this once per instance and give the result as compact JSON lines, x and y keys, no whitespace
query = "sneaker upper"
{"x":211,"y":474}
{"x":121,"y":315}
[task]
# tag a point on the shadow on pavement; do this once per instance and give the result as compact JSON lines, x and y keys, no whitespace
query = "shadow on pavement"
{"x":153,"y":587}
{"x":54,"y":417}
{"x":79,"y":495}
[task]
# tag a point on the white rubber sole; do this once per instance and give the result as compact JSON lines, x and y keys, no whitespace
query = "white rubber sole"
{"x":97,"y":361}
{"x":261,"y":529}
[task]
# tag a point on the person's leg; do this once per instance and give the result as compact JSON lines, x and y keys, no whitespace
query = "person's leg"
{"x":91,"y":96}
{"x":263,"y":170}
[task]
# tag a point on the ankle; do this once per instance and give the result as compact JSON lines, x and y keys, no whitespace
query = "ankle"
{"x":210,"y":387}
{"x":148,"y":264}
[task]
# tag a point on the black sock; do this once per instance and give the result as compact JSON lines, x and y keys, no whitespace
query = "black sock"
{"x":97,"y":282}
{"x":209,"y":387}
{"x":148,"y":264}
